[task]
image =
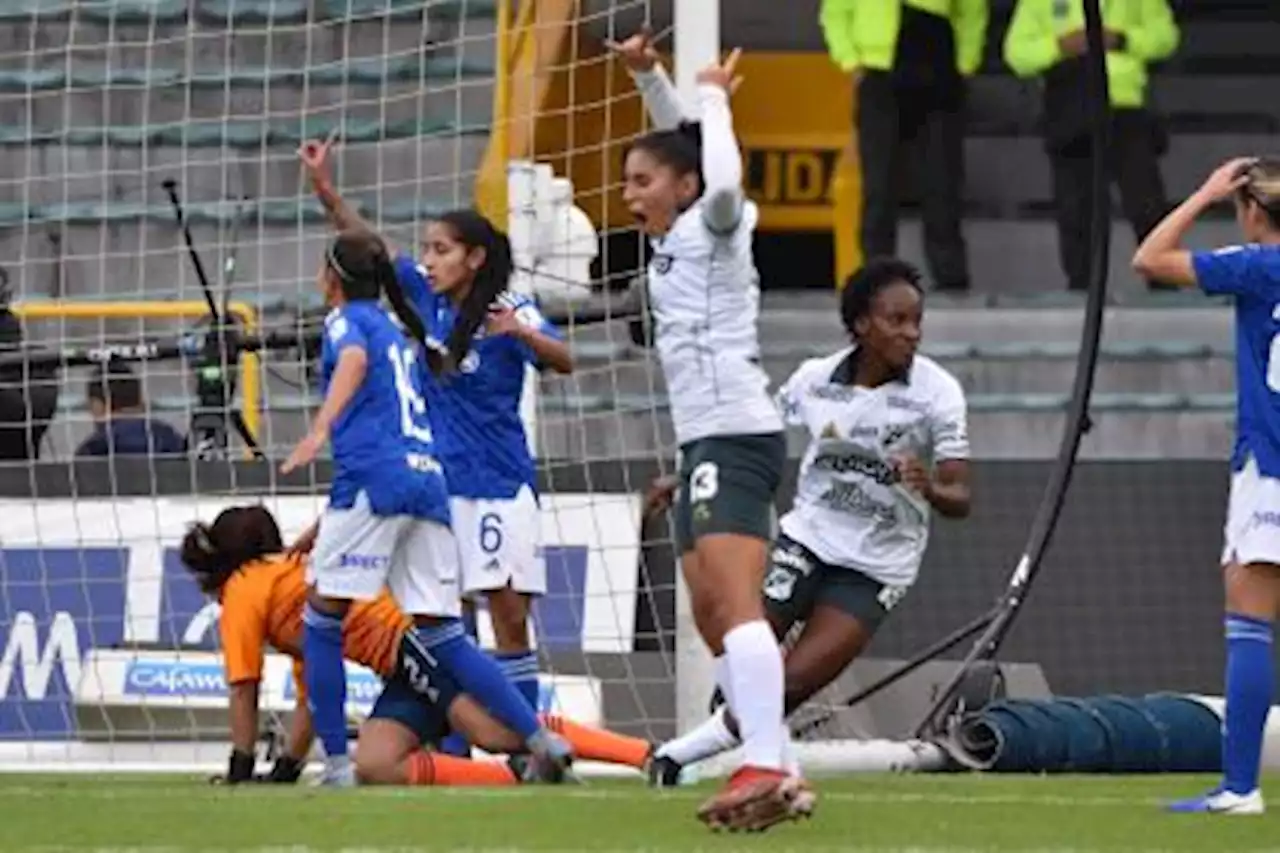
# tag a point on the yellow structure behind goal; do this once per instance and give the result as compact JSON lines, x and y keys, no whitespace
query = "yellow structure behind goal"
{"x":250,"y":365}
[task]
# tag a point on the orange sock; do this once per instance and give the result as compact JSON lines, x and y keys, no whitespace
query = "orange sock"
{"x":598,"y":744}
{"x":435,"y":768}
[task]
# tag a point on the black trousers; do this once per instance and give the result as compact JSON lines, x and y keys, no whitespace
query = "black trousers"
{"x":1134,"y":164}
{"x":891,"y":120}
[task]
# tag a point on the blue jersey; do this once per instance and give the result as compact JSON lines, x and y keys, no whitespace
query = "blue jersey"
{"x":1252,"y":275}
{"x":381,"y":443}
{"x":475,"y":413}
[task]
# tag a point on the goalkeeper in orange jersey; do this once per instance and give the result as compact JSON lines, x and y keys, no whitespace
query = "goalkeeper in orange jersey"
{"x":240,"y":559}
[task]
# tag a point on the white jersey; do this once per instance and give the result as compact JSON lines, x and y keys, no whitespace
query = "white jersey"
{"x":705,"y":296}
{"x":850,"y":510}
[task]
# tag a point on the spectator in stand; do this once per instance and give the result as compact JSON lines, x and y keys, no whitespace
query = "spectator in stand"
{"x":1046,"y":39}
{"x":910,"y":60}
{"x":28,"y":391}
{"x":122,"y":425}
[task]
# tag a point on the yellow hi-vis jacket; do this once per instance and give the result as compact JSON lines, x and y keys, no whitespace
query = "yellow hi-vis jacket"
{"x":1149,"y":31}
{"x":864,"y":33}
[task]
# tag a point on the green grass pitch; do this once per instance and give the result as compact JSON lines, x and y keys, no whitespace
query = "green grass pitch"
{"x":913,"y":814}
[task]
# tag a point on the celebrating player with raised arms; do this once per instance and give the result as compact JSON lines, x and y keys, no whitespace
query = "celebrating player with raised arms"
{"x":1251,"y":553}
{"x":239,"y":559}
{"x":683,"y":185}
{"x":887,"y":447}
{"x":387,"y":522}
{"x":459,"y":290}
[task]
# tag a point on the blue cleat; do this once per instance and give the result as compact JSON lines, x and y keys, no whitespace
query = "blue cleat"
{"x":1221,"y":801}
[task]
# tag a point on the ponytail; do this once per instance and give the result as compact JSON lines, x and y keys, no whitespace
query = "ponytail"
{"x":214,"y":552}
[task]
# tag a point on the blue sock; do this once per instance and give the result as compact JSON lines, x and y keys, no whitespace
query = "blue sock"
{"x":478,"y":674}
{"x":1249,"y":685}
{"x":521,"y":669}
{"x":326,"y":678}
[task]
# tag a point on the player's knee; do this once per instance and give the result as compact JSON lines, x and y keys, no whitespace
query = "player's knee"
{"x":509,"y":611}
{"x":378,"y":760}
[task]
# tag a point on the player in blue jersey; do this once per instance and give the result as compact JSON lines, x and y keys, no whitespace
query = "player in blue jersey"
{"x":492,"y":336}
{"x":1251,"y":554}
{"x":388,"y":517}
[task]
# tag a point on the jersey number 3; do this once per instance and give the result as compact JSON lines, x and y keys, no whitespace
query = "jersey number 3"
{"x":413,"y":408}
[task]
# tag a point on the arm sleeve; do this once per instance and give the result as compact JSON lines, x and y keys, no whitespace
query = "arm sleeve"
{"x":1031,"y":45}
{"x":94,"y":445}
{"x":1156,"y":35}
{"x":414,"y":281}
{"x":340,"y":332}
{"x":950,"y":427}
{"x":242,"y":627}
{"x":837,"y":19}
{"x":721,"y":162}
{"x":660,"y":97}
{"x":1234,"y":271}
{"x":971,"y":34}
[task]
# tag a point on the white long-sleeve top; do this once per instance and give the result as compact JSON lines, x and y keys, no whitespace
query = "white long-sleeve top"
{"x":705,"y":294}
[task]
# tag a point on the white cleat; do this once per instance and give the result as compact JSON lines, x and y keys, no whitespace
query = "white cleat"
{"x":1222,"y":801}
{"x":337,"y":775}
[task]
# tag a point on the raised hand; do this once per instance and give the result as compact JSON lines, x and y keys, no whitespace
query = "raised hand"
{"x":1226,"y":179}
{"x":723,"y":74}
{"x":636,"y":52}
{"x":315,"y":155}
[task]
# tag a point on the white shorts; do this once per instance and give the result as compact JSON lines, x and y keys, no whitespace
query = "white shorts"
{"x":358,"y":553}
{"x":498,"y":543}
{"x":1252,"y":531}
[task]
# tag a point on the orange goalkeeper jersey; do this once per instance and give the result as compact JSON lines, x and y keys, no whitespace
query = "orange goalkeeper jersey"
{"x":262,"y":606}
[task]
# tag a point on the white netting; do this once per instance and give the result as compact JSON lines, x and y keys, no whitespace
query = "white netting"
{"x":108,"y":649}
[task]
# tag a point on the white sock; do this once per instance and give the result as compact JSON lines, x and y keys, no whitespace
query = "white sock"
{"x":755,"y":668}
{"x":790,"y":761}
{"x":724,"y":679}
{"x":711,"y":737}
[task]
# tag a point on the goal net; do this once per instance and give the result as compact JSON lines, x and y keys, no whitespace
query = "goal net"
{"x":108,"y":652}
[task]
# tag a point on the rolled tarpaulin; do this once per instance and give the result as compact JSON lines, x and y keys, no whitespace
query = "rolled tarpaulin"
{"x":1160,"y":733}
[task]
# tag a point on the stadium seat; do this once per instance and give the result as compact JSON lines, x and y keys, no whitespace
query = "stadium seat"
{"x":116,"y":11}
{"x":366,"y":71}
{"x":278,"y":212}
{"x":236,"y":133}
{"x":439,"y":10}
{"x":270,"y":12}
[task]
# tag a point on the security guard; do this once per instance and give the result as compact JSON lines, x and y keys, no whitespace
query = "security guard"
{"x":910,"y":59}
{"x":1046,"y":39}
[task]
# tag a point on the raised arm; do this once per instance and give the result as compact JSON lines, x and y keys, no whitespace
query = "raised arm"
{"x":315,"y":159}
{"x":659,"y":94}
{"x":721,"y":159}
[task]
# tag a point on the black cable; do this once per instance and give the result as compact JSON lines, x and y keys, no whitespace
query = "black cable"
{"x":1044,"y":524}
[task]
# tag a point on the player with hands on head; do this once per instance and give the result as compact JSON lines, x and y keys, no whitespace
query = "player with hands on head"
{"x":887,"y":447}
{"x":460,"y":291}
{"x":261,"y":588}
{"x":1249,"y":273}
{"x":387,"y":522}
{"x":683,"y":186}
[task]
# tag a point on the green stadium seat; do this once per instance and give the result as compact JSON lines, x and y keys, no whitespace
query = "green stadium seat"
{"x":236,"y":133}
{"x":274,"y":212}
{"x":270,"y":12}
{"x":437,"y":10}
{"x":101,"y":12}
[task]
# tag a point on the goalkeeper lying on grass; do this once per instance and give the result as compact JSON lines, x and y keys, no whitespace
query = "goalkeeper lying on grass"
{"x":241,"y":560}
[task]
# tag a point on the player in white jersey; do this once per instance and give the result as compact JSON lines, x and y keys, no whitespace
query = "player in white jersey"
{"x":1250,"y":274}
{"x":683,"y":185}
{"x":887,"y":448}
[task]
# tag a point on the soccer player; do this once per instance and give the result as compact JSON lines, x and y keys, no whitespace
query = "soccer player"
{"x":1251,"y":553}
{"x":388,"y":516}
{"x":458,"y":290}
{"x":887,"y":448}
{"x":683,"y":185}
{"x":239,"y":559}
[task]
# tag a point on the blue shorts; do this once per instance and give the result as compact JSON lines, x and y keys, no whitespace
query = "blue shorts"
{"x":426,"y":716}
